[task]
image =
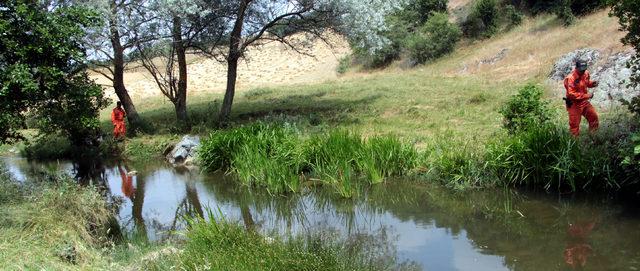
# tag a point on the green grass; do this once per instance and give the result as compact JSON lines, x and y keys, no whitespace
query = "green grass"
{"x":223,"y":245}
{"x":279,"y":158}
{"x":53,"y":226}
{"x":412,"y":105}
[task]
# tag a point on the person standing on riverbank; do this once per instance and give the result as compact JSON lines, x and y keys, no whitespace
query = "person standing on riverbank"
{"x":577,"y":84}
{"x":117,"y":118}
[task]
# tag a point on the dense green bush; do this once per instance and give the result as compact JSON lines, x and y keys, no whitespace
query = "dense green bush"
{"x":344,"y":64}
{"x":47,"y":147}
{"x":525,"y":109}
{"x":402,"y":25}
{"x":513,"y":16}
{"x":436,"y":38}
{"x":577,"y":7}
{"x":418,"y":12}
{"x":482,"y":21}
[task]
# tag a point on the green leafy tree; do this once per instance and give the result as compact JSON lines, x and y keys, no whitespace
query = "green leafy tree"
{"x":483,"y":19}
{"x":42,"y":72}
{"x":628,"y":13}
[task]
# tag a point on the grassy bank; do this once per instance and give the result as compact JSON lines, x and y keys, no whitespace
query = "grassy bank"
{"x":224,"y":245}
{"x":55,"y":224}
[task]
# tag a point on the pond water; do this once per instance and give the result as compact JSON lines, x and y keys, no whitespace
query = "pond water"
{"x":423,"y":224}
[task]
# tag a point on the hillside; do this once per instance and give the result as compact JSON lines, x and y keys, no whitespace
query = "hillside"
{"x":524,"y":53}
{"x":270,"y":64}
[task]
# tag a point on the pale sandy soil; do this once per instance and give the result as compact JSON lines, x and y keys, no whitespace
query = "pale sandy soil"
{"x":267,"y":65}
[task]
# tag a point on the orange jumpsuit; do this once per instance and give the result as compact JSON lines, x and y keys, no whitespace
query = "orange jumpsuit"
{"x":577,"y":87}
{"x":127,"y":184}
{"x":117,"y":118}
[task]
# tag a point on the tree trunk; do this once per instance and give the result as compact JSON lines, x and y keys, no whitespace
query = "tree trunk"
{"x":118,"y":72}
{"x":235,"y":51}
{"x":181,"y":96}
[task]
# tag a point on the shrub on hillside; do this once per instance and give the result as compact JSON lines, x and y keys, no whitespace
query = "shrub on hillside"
{"x":525,"y":110}
{"x":436,"y":38}
{"x":483,"y":19}
{"x":417,"y":12}
{"x":513,"y":16}
{"x":577,"y":7}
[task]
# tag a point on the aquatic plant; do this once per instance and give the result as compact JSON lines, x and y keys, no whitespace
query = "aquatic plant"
{"x":278,"y":158}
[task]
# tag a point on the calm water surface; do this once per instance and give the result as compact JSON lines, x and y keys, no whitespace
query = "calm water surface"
{"x":422,"y":224}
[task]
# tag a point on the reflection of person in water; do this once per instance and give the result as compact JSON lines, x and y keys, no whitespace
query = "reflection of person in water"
{"x":578,"y":249}
{"x":127,"y":183}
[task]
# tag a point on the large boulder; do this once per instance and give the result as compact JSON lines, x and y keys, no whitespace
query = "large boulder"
{"x":611,"y":72}
{"x":184,"y":152}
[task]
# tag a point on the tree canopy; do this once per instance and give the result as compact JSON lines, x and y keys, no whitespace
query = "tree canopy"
{"x":42,"y":71}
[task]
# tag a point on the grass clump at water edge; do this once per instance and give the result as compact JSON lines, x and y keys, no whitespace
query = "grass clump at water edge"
{"x":218,"y":244}
{"x":279,"y":158}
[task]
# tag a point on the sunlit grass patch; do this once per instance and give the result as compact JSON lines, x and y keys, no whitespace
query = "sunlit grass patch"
{"x":279,"y":158}
{"x":218,"y":244}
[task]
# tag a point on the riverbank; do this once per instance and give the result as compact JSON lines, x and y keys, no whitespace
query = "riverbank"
{"x":54,"y":223}
{"x":409,"y":223}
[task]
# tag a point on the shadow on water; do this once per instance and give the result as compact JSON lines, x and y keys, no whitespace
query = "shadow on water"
{"x":421,"y":223}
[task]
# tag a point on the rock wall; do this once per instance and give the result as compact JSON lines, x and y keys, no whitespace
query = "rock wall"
{"x":611,"y":72}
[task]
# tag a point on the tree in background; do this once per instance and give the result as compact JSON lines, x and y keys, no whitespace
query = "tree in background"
{"x":258,"y":21}
{"x":180,"y":27}
{"x":42,"y":72}
{"x":110,"y":41}
{"x":628,"y":13}
{"x":402,"y":27}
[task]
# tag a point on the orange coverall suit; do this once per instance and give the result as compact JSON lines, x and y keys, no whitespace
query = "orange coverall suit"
{"x":117,"y":118}
{"x":576,"y":87}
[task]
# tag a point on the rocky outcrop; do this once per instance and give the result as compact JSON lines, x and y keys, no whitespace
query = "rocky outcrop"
{"x":611,"y":72}
{"x":184,"y":152}
{"x":567,"y":62}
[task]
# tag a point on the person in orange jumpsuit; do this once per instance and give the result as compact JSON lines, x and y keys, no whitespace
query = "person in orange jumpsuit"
{"x":577,"y":83}
{"x":117,"y":118}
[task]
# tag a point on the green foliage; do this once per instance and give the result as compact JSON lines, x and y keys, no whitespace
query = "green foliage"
{"x":564,"y":12}
{"x":57,"y":223}
{"x":381,"y":57}
{"x":401,"y":25}
{"x":48,"y":147}
{"x":42,"y":72}
{"x":549,"y":156}
{"x":223,"y":245}
{"x":344,"y":64}
{"x":436,"y":38}
{"x":277,"y":158}
{"x":576,"y":7}
{"x":482,"y":22}
{"x":456,"y":165}
{"x":628,"y":13}
{"x":513,"y":16}
{"x":525,"y":109}
{"x":418,"y":12}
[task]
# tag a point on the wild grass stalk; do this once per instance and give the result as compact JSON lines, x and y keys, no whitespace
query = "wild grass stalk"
{"x":219,"y":244}
{"x":277,"y":158}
